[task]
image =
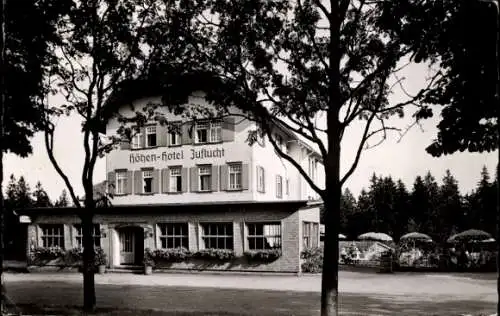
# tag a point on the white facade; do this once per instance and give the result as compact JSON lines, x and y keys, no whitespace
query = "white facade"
{"x":185,"y":168}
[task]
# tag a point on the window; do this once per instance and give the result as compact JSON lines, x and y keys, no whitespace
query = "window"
{"x":174,"y":135}
{"x":279,"y":187}
{"x":121,"y":182}
{"x":96,"y":234}
{"x":306,"y":234}
{"x":147,"y":181}
{"x":175,"y":179}
{"x":218,"y":235}
{"x":261,"y":187}
{"x":310,"y":234}
{"x":263,"y":236}
{"x":215,"y":131}
{"x":151,"y":136}
{"x":208,"y":132}
{"x":174,"y":235}
{"x":201,"y":133}
{"x":52,"y":235}
{"x":136,"y":140}
{"x":235,"y":176}
{"x":205,"y":178}
{"x":287,"y":187}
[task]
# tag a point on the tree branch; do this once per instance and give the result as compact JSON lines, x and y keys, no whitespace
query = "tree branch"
{"x":359,"y":150}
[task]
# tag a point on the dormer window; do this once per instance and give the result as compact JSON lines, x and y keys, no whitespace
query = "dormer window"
{"x":151,"y":136}
{"x":136,"y":140}
{"x":208,"y":132}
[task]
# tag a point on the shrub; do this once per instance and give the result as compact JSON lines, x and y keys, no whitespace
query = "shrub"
{"x":313,"y":260}
{"x":148,"y":258}
{"x":178,"y":254}
{"x":215,"y":254}
{"x":41,"y":255}
{"x":267,"y":255}
{"x":99,"y":257}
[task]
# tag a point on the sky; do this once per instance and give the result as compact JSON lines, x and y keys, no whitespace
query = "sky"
{"x":400,"y":158}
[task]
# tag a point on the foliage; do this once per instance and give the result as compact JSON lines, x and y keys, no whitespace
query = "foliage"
{"x":100,"y":257}
{"x":41,"y":198}
{"x":438,"y":210}
{"x":312,"y":260}
{"x":178,"y":254}
{"x":71,"y":257}
{"x":27,"y":56}
{"x":267,"y":255}
{"x":62,"y":201}
{"x":41,"y":255}
{"x":148,"y":260}
{"x":459,"y":38}
{"x":222,"y":255}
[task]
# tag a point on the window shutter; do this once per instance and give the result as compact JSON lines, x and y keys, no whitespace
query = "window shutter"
{"x":228,"y":127}
{"x":124,"y":144}
{"x":129,"y":182}
{"x":224,"y":175}
{"x":161,"y":134}
{"x":142,"y":143}
{"x":156,"y":181}
{"x":164,"y":180}
{"x":264,"y":179}
{"x":193,"y":180}
{"x":111,"y":182}
{"x":186,"y":138}
{"x":138,"y":182}
{"x":184,"y":179}
{"x":244,"y":176}
{"x":215,"y":178}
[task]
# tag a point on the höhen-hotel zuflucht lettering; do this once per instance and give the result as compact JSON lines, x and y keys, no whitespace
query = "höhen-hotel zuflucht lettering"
{"x":203,"y":153}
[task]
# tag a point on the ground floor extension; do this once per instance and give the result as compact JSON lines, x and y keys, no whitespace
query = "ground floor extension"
{"x":239,"y":228}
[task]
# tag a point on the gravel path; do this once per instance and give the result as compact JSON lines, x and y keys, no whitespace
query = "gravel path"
{"x":405,"y":286}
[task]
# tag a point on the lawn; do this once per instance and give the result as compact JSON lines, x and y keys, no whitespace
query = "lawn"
{"x":61,"y":298}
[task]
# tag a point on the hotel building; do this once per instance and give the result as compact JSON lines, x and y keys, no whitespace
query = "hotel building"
{"x":201,"y":186}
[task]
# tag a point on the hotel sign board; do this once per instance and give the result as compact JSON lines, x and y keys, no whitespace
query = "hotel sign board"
{"x":179,"y":155}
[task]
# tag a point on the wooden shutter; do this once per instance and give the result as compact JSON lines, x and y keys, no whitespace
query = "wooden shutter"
{"x":228,"y":129}
{"x":186,"y":137}
{"x":224,"y":175}
{"x":245,"y":176}
{"x":156,"y":181}
{"x":129,"y":182}
{"x":193,"y":171}
{"x":111,"y":182}
{"x":124,"y":144}
{"x":215,"y":179}
{"x":138,"y":182}
{"x":161,"y":135}
{"x":142,"y":142}
{"x":165,"y":175}
{"x":184,"y":179}
{"x":264,"y":180}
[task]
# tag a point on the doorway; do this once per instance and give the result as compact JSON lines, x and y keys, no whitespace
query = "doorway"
{"x":131,"y":245}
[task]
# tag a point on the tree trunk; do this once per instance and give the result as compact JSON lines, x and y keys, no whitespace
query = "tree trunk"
{"x":89,"y":297}
{"x":330,"y":282}
{"x":2,"y":134}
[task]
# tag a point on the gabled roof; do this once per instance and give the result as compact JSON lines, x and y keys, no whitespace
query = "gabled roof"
{"x":175,"y":88}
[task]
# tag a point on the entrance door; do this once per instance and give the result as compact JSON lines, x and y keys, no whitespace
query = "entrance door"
{"x":127,"y":246}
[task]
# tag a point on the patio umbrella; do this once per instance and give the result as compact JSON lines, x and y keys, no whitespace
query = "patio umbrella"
{"x":375,"y":236}
{"x":416,"y":236}
{"x":342,"y":236}
{"x":470,"y":235}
